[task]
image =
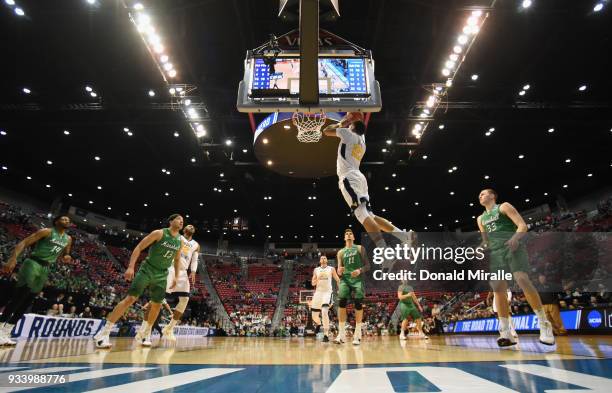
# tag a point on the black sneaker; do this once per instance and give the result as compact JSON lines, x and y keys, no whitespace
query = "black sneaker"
{"x":325,"y":339}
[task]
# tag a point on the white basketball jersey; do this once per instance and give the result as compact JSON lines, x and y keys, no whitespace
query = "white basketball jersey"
{"x":324,"y":278}
{"x":189,"y":247}
{"x":350,"y":151}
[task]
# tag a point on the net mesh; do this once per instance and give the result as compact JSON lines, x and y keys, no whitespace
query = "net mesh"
{"x":309,"y":126}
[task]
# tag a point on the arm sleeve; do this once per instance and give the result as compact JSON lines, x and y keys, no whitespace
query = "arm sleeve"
{"x":194,"y":261}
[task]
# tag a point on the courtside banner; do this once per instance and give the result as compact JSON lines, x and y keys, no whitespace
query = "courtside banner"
{"x":596,"y":319}
{"x":182,"y":331}
{"x":42,"y":326}
{"x":593,"y":319}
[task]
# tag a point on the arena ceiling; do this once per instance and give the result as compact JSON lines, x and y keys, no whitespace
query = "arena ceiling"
{"x":58,"y":48}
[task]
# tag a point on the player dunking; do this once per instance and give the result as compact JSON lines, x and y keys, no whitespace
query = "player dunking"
{"x":502,"y":227}
{"x":165,"y":246}
{"x":190,"y":250}
{"x":352,"y":182}
{"x":322,"y":280}
{"x":49,"y":245}
{"x":352,"y":264}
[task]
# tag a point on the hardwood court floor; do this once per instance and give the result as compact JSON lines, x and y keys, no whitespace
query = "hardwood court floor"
{"x":380,"y":365}
{"x":270,"y":351}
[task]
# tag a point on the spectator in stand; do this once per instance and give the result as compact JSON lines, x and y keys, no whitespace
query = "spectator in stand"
{"x":41,"y":304}
{"x":60,"y":299}
{"x":68,"y":303}
{"x":86,"y":313}
{"x":53,"y":311}
{"x":437,"y":323}
{"x":72,"y":313}
{"x":550,"y":303}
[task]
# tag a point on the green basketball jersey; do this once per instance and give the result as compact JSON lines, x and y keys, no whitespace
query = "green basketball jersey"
{"x":49,"y":248}
{"x":405,"y":289}
{"x":351,"y":260}
{"x":162,"y":253}
{"x":499,"y":227}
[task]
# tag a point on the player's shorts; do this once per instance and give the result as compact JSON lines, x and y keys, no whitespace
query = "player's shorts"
{"x":153,"y":279}
{"x":33,"y":275}
{"x":350,"y":285}
{"x":409,"y":310}
{"x":504,"y":259}
{"x":354,"y":188}
{"x":320,"y":298}
{"x":182,"y":285}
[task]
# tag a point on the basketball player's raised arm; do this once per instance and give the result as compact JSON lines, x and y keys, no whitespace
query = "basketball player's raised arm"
{"x":22,"y":245}
{"x":330,"y":130}
{"x":521,"y":226}
{"x":143,"y":245}
{"x":483,"y":233}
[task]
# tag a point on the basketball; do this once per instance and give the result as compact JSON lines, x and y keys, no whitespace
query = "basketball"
{"x":352,"y":117}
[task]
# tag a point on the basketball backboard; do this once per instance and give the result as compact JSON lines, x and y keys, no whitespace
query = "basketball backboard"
{"x":346,"y":80}
{"x":287,"y":6}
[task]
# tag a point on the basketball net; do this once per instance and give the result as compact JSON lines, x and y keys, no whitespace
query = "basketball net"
{"x":309,"y":126}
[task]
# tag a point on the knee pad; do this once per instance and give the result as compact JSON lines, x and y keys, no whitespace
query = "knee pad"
{"x":182,"y":304}
{"x":361,"y":212}
{"x":315,"y":309}
{"x":358,"y":304}
{"x":342,"y":303}
{"x":325,"y":306}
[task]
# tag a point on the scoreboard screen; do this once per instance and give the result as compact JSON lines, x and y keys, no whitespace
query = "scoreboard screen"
{"x":337,"y":76}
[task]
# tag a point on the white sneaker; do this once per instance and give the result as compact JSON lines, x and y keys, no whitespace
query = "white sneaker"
{"x":5,"y":336}
{"x":505,"y":339}
{"x":339,"y":340}
{"x":102,"y":340}
{"x":6,"y":341}
{"x":422,"y":336}
{"x":402,"y":336}
{"x":356,"y":340}
{"x":168,"y":333}
{"x":547,"y":336}
{"x":145,"y":341}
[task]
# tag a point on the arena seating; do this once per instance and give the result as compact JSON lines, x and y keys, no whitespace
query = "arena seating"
{"x":253,"y":294}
